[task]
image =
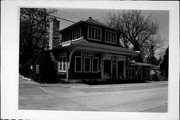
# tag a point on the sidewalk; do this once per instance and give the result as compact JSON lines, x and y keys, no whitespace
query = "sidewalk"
{"x":25,"y":81}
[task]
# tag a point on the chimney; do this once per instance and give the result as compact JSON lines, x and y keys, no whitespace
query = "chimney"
{"x":54,"y":36}
{"x":90,"y":17}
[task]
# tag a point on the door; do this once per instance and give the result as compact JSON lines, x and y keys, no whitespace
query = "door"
{"x":120,"y":69}
{"x":114,"y":70}
{"x":139,"y":74}
{"x":107,"y":69}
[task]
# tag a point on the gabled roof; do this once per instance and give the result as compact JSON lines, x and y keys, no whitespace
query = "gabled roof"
{"x":91,"y":21}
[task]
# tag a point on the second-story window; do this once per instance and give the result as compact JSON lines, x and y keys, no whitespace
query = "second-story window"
{"x":110,"y":36}
{"x":76,"y":33}
{"x":94,"y":33}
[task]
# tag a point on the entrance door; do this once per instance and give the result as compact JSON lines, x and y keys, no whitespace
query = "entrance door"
{"x":114,"y":70}
{"x":107,"y":69}
{"x":120,"y":69}
{"x":139,"y":74}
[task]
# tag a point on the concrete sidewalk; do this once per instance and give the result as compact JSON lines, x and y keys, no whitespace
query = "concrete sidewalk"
{"x":26,"y":81}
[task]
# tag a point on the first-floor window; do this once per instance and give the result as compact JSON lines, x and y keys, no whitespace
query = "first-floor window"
{"x":78,"y":64}
{"x":95,"y":63}
{"x":62,"y":64}
{"x":87,"y":64}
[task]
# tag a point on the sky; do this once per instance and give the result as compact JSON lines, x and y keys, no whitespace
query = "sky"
{"x":76,"y":15}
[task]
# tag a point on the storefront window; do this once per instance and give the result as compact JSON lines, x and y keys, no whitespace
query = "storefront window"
{"x":95,"y":64}
{"x":87,"y":64}
{"x":62,"y":64}
{"x":78,"y":64}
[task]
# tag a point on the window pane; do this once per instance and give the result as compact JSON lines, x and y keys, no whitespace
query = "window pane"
{"x":95,"y":64}
{"x":89,"y":32}
{"x":92,"y":33}
{"x":60,"y":66}
{"x":87,"y":63}
{"x":60,"y":63}
{"x":78,"y":64}
{"x":64,"y":63}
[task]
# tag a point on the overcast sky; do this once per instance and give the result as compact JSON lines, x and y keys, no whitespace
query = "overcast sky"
{"x":100,"y":14}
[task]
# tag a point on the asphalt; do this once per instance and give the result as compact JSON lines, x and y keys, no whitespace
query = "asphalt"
{"x":142,"y":97}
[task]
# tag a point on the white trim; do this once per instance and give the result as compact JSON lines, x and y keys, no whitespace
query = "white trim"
{"x":60,"y":69}
{"x":97,"y":64}
{"x":89,"y":65}
{"x":97,"y":28}
{"x":75,"y":64}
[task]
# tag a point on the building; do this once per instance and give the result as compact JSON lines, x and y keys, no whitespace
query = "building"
{"x":139,"y":71}
{"x":89,"y":50}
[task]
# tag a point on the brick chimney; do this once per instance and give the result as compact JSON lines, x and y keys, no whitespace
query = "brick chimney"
{"x":54,"y":36}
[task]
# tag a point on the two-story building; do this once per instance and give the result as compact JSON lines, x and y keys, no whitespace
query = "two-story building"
{"x":89,"y":50}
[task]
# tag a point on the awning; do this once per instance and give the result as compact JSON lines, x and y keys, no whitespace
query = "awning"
{"x":141,"y":64}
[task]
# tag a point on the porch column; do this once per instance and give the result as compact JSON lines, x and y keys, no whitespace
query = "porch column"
{"x":68,"y":62}
{"x":67,"y":65}
{"x":102,"y":65}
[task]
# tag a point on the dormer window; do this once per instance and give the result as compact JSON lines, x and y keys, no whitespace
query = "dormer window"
{"x":110,"y":36}
{"x":76,"y":33}
{"x":94,"y":33}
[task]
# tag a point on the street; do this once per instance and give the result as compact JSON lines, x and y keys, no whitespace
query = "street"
{"x":135,"y":97}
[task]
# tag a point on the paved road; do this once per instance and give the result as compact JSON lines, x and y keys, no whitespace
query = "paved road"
{"x":139,"y":97}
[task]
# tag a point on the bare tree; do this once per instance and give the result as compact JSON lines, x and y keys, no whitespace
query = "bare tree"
{"x":136,"y":29}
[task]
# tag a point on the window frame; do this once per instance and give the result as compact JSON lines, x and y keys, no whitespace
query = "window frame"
{"x":132,"y":75}
{"x":75,"y":33}
{"x":110,"y":34}
{"x":76,"y":65}
{"x":61,"y":64}
{"x":89,"y":65}
{"x":92,"y":36}
{"x":97,"y":64}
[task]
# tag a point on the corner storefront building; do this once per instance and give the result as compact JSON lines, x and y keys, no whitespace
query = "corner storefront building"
{"x":89,"y":50}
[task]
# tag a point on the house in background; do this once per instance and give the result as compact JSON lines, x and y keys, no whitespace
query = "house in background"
{"x":139,"y":71}
{"x":89,"y":50}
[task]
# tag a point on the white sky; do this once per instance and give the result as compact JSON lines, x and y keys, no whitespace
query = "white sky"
{"x":100,"y":14}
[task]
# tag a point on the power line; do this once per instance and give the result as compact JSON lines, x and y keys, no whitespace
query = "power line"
{"x":63,"y":19}
{"x":72,"y":14}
